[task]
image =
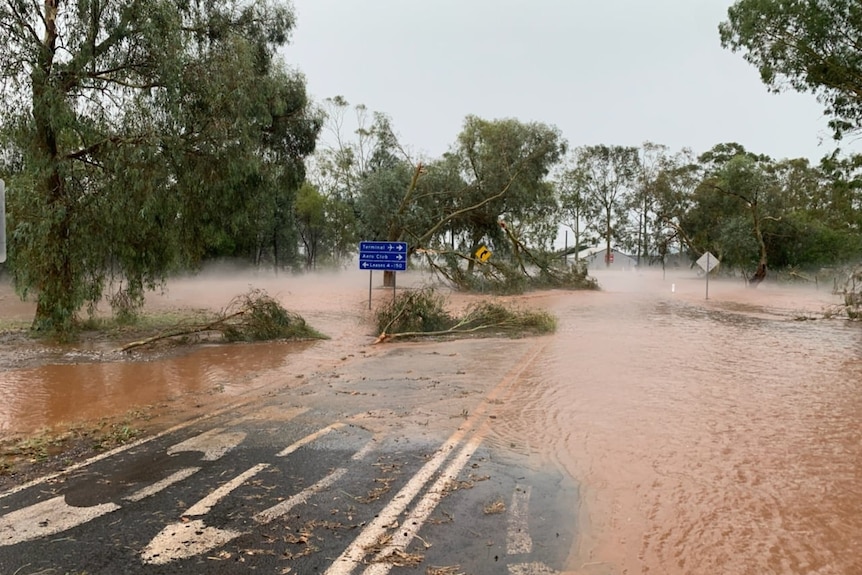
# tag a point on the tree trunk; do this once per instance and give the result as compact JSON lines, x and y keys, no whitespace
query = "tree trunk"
{"x":760,"y":274}
{"x":56,"y":303}
{"x":608,"y":238}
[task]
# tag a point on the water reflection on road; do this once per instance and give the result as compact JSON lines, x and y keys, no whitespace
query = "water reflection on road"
{"x":67,"y":392}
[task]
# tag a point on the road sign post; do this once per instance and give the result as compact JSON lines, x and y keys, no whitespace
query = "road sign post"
{"x":708,"y":262}
{"x":386,"y":256}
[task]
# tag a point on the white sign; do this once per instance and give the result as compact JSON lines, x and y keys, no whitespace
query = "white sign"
{"x":708,"y":262}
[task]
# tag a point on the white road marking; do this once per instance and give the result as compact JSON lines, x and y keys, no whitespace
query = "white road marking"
{"x":285,"y":506}
{"x":532,"y":569}
{"x":412,"y":523}
{"x":308,"y":439}
{"x":47,"y":518}
{"x":184,"y":540}
{"x":204,"y":506}
{"x":518,"y":538}
{"x":353,"y":555}
{"x":213,"y":443}
{"x":55,"y":515}
{"x":121,"y":449}
{"x":175,"y":477}
{"x":360,"y":455}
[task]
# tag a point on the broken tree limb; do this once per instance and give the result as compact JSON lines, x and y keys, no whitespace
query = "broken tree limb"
{"x":254,"y":316}
{"x":181,"y":331}
{"x":384,"y":337}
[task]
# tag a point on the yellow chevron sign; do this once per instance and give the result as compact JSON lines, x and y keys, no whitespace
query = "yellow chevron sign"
{"x":483,"y":254}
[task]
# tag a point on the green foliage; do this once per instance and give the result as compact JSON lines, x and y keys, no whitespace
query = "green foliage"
{"x":310,"y":213}
{"x":379,"y":199}
{"x":607,"y":176}
{"x":806,"y":46}
{"x":801,"y":240}
{"x":807,"y":216}
{"x":259,"y":317}
{"x":499,"y":318}
{"x":572,"y":276}
{"x":146,"y":135}
{"x":420,"y":310}
{"x":413,"y":313}
{"x":504,"y":164}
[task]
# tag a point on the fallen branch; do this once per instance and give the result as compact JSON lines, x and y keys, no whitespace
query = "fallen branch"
{"x":384,"y":337}
{"x":217,"y":325}
{"x":422,"y":314}
{"x":254,"y":316}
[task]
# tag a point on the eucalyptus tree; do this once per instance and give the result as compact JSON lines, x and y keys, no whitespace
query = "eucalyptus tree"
{"x":609,"y":176}
{"x":678,"y":176}
{"x":652,"y":158}
{"x":804,"y":45}
{"x":734,"y":202}
{"x":354,"y":143}
{"x":344,"y":150}
{"x":574,"y":208}
{"x":505,"y":164}
{"x":150,"y":131}
{"x":818,"y":225}
{"x":491,"y":188}
{"x":310,"y":212}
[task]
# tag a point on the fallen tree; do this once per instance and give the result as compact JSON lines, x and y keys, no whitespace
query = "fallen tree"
{"x":422,"y":313}
{"x":253,"y":316}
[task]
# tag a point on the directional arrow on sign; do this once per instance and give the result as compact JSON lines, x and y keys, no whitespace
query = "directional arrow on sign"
{"x":389,"y":256}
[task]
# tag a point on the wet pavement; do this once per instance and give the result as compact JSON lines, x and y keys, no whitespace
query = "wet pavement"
{"x":339,"y":474}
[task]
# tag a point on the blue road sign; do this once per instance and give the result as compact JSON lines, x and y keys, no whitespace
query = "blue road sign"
{"x":391,"y":256}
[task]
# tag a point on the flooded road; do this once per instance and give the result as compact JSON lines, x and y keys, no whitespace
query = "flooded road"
{"x":718,"y":436}
{"x":708,"y":436}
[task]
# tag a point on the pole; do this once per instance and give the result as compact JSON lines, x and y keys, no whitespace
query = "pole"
{"x":370,"y":273}
{"x":707,"y":275}
{"x":394,"y":278}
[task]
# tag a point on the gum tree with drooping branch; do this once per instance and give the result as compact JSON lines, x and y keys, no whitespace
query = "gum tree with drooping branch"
{"x":149,"y":131}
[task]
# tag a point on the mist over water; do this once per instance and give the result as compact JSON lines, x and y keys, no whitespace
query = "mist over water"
{"x":709,"y":436}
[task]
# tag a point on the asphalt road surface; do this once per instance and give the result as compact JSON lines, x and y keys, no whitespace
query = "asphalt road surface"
{"x":334,"y":475}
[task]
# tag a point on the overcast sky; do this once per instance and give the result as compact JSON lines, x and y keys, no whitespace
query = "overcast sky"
{"x":603,"y":71}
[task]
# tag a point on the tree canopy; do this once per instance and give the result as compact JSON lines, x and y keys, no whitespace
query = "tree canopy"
{"x":147,"y":134}
{"x":804,"y":45}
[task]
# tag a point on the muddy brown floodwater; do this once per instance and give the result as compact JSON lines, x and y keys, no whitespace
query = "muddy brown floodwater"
{"x":717,"y":436}
{"x":49,"y":386}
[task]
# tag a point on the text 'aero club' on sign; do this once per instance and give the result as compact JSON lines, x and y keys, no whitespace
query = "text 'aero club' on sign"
{"x":391,"y":256}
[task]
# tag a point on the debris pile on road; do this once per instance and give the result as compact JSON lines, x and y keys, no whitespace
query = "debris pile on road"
{"x":422,"y":313}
